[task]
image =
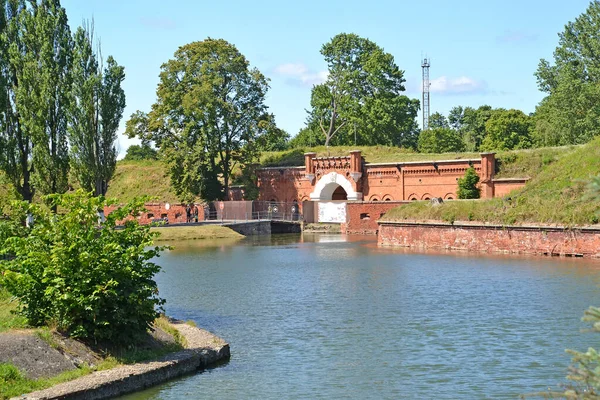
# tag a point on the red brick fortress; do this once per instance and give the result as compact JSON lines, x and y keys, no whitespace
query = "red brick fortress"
{"x":351,"y":178}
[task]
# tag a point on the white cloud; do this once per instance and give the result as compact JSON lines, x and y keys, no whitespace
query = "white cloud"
{"x":460,"y":85}
{"x":300,"y":74}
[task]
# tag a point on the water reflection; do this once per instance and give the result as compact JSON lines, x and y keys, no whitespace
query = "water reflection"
{"x":312,"y":317}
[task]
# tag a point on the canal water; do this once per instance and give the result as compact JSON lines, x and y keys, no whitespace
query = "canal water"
{"x":324,"y":317}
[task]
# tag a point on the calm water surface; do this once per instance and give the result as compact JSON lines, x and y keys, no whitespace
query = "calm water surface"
{"x":322,"y":317}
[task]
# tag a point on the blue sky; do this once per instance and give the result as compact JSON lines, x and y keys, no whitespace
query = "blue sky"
{"x":481,"y":52}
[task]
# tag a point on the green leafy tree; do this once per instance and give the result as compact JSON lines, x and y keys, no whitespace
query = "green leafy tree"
{"x":16,"y":140}
{"x":272,"y":138}
{"x":467,"y":185}
{"x":93,"y":282}
{"x":570,"y":113}
{"x":473,"y":126}
{"x":361,"y":101}
{"x":98,"y":104}
{"x":307,"y":137}
{"x":507,"y":130}
{"x":141,"y":152}
{"x":437,"y":120}
{"x":49,"y":36}
{"x":456,"y":118}
{"x":440,"y":140}
{"x":206,"y":121}
{"x":35,"y":59}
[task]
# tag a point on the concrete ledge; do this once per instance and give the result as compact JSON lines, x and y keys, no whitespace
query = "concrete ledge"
{"x":203,"y":349}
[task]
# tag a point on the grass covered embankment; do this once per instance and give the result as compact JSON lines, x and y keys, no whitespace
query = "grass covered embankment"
{"x":557,"y":194}
{"x":197,"y":232}
{"x":15,"y":381}
{"x":150,"y":178}
{"x":509,"y":164}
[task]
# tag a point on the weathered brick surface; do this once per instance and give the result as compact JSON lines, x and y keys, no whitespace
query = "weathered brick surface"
{"x":490,"y":238}
{"x":362,"y":216}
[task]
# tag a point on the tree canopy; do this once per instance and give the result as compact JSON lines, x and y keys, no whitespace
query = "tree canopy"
{"x":570,"y":114}
{"x":99,"y":102}
{"x":206,"y":121}
{"x":361,"y":101}
{"x":440,"y":140}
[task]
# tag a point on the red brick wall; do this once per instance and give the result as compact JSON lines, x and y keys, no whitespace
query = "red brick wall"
{"x":502,"y":187}
{"x":521,"y":240}
{"x":175,"y":213}
{"x":381,"y":182}
{"x":362,"y":216}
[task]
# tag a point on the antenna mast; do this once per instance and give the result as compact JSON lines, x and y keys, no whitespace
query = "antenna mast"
{"x":425,"y":65}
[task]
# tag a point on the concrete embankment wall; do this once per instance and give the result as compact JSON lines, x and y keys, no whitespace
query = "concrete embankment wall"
{"x":203,"y":349}
{"x":266,"y":227}
{"x":540,"y":240}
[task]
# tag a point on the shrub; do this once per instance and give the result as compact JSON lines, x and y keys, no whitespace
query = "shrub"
{"x":89,"y":279}
{"x":467,"y":185}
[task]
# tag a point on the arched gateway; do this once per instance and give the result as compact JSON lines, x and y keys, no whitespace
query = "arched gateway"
{"x":330,"y":184}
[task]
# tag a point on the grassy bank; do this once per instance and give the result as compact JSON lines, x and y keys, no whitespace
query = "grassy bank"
{"x":148,"y":177}
{"x":141,"y":178}
{"x":8,"y":319}
{"x":510,"y":164}
{"x":198,"y":232}
{"x":13,"y":382}
{"x":555,"y":195}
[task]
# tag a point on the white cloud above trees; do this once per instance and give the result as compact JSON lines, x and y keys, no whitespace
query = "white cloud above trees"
{"x":298,"y":74}
{"x":461,"y":85}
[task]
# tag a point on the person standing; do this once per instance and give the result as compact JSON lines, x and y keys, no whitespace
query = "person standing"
{"x":195,"y":213}
{"x":188,"y":213}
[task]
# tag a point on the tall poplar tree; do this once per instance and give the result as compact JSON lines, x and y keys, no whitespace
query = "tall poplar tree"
{"x":35,"y":59}
{"x":52,"y":52}
{"x":16,"y":144}
{"x":98,"y":104}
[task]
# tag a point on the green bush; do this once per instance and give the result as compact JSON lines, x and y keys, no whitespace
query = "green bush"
{"x":89,"y":279}
{"x":467,"y":185}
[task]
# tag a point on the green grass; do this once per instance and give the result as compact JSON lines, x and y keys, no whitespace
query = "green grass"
{"x":8,"y":319}
{"x":141,"y":178}
{"x":199,"y":232}
{"x":14,"y":383}
{"x":555,"y":195}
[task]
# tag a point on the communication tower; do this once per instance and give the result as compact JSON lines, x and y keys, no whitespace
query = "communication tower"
{"x":425,"y":65}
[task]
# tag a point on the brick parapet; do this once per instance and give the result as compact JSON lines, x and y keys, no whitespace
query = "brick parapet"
{"x":469,"y":236}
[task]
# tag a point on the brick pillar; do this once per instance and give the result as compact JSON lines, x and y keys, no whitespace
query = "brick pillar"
{"x":488,"y":169}
{"x":308,"y":164}
{"x":355,"y":161}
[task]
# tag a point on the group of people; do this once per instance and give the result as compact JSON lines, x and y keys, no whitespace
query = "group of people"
{"x":191,"y":213}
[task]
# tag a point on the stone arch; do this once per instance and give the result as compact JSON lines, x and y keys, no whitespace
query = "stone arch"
{"x":387,"y":197}
{"x":374,"y":198}
{"x":449,"y":196}
{"x":426,"y":196}
{"x":329,"y":183}
{"x":413,"y":197}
